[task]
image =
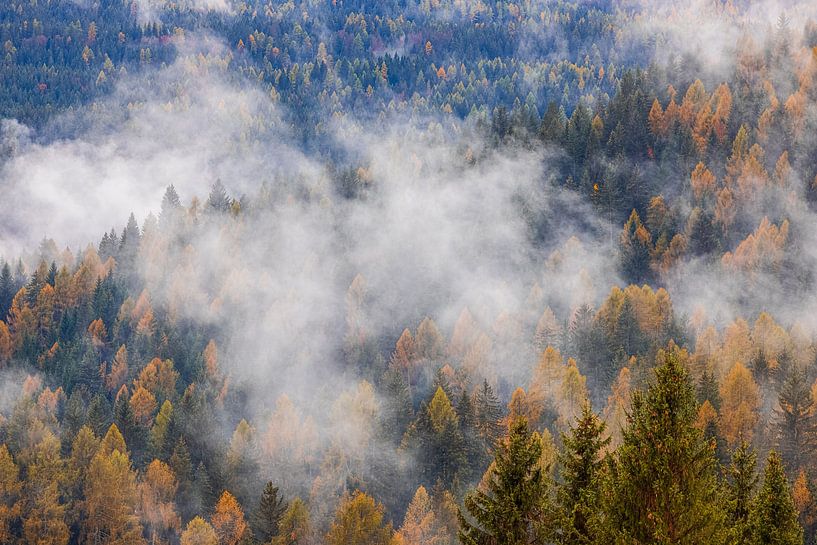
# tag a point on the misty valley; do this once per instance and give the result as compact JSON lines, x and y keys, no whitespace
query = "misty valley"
{"x":408,"y":272}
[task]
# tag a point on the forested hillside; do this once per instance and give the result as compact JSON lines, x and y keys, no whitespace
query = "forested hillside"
{"x":408,"y":273}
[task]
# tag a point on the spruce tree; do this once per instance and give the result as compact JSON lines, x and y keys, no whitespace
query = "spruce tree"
{"x":268,"y":515}
{"x":513,"y":509}
{"x":580,"y":464}
{"x":663,"y":486}
{"x":796,"y":427}
{"x":773,"y":518}
{"x":489,"y":417}
{"x":740,"y":491}
{"x":396,"y":413}
{"x":471,"y":444}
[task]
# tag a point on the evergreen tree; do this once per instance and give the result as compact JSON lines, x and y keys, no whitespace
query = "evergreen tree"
{"x":135,"y":435}
{"x":489,"y":417}
{"x":99,"y":416}
{"x":773,"y":518}
{"x":218,"y":201}
{"x":471,"y":444}
{"x":580,"y":464}
{"x":396,"y":413}
{"x":513,"y":509}
{"x":663,"y":486}
{"x":7,"y":289}
{"x":740,"y":491}
{"x":796,"y":427}
{"x":267,"y":516}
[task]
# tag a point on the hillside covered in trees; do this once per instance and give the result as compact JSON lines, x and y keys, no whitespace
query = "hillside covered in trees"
{"x":408,"y":273}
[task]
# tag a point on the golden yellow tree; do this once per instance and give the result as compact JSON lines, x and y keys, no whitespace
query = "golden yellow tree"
{"x":359,"y":521}
{"x":740,"y":400}
{"x":10,"y":488}
{"x":157,"y":506}
{"x":228,"y":520}
{"x":199,"y":532}
{"x":111,"y":498}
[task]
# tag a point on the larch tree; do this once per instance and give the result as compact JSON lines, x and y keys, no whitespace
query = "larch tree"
{"x":44,"y":513}
{"x":157,"y":502}
{"x":111,"y":496}
{"x":429,"y":520}
{"x":228,"y":520}
{"x":295,"y":527}
{"x":199,"y":532}
{"x":740,"y":401}
{"x":359,"y":521}
{"x":10,"y":489}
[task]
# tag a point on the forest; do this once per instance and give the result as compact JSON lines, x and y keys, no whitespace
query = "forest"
{"x":407,"y":272}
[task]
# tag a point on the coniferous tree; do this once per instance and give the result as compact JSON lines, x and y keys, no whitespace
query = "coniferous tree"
{"x":267,"y":516}
{"x":796,"y":427}
{"x":663,"y":486}
{"x":489,"y":418}
{"x":580,"y":465}
{"x":740,"y":491}
{"x":218,"y":201}
{"x":514,"y":508}
{"x":396,"y":413}
{"x":773,"y":518}
{"x":471,"y":446}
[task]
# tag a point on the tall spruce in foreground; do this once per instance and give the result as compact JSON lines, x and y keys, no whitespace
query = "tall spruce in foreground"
{"x":581,"y":464}
{"x":663,"y":487}
{"x":773,"y":519}
{"x":513,"y":507}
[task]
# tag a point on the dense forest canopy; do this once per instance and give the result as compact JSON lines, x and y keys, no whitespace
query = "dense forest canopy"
{"x":408,"y":273}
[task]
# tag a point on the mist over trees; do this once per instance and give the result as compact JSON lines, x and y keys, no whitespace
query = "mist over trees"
{"x":408,"y":273}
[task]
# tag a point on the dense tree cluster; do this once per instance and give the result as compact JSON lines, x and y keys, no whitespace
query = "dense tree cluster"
{"x":609,"y":419}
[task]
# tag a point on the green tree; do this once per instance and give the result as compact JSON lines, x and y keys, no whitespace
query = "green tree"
{"x":795,"y":420}
{"x":513,"y":508}
{"x":663,"y":486}
{"x":740,"y":490}
{"x":266,"y":518}
{"x":580,"y":464}
{"x":773,"y":518}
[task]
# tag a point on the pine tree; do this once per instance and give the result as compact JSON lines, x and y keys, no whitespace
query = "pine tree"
{"x":580,"y":465}
{"x":268,"y":515}
{"x":663,"y":486}
{"x":773,"y":518}
{"x":513,"y":509}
